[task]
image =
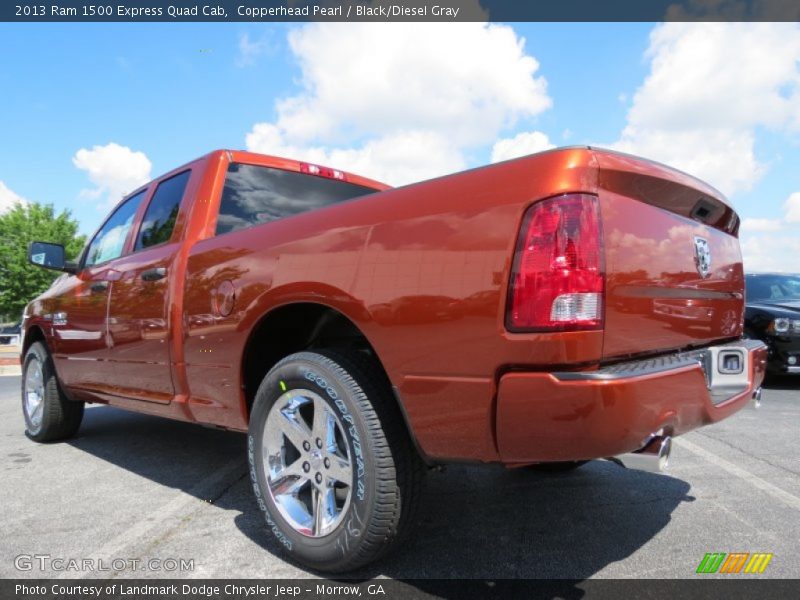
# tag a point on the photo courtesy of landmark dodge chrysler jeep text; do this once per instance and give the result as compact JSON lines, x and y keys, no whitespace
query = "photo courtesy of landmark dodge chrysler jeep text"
{"x":538,"y":312}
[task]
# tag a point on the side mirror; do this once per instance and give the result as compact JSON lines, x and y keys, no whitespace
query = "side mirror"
{"x":49,"y":256}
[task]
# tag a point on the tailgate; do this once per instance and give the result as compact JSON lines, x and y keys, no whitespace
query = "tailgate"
{"x":673,"y":265}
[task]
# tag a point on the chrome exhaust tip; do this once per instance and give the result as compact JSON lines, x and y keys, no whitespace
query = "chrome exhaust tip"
{"x":757,"y":397}
{"x":654,"y":457}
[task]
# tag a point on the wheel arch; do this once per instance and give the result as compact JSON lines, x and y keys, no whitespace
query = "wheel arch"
{"x":299,"y":326}
{"x":33,"y":334}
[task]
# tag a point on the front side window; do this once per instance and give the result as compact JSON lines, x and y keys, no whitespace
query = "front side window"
{"x":109,"y":242}
{"x":159,"y":218}
{"x":254,"y":195}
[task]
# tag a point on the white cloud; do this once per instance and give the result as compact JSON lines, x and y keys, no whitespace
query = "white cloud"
{"x":249,"y":50}
{"x":792,"y":208}
{"x":396,"y":158}
{"x":725,"y":158}
{"x":113,"y":169}
{"x":771,"y":253}
{"x":521,"y":144}
{"x":710,"y":86}
{"x":761,"y":225}
{"x":776,"y":252}
{"x":402,"y":101}
{"x":8,"y":198}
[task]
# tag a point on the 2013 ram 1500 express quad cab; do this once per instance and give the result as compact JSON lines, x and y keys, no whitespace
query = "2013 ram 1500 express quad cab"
{"x":553,"y":309}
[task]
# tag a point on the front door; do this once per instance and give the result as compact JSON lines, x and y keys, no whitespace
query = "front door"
{"x":79,"y":328}
{"x":79,"y":317}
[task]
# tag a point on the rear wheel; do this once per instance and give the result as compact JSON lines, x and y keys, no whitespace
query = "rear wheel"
{"x":49,"y":414}
{"x":332,"y":465}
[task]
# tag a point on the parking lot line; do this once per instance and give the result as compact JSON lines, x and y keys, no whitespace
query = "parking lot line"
{"x":204,"y":491}
{"x":787,"y":498}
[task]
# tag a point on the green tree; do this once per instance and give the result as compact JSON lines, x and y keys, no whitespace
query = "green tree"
{"x":24,"y":223}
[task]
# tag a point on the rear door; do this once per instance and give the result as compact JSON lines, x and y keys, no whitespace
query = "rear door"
{"x":139,"y":310}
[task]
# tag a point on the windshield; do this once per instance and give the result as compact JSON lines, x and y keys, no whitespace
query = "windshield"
{"x":772,"y":288}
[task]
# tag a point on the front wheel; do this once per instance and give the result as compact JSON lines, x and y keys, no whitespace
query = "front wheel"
{"x":49,"y":414}
{"x":331,"y":463}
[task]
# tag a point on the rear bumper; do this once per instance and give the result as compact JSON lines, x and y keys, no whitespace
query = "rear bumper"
{"x":585,"y":415}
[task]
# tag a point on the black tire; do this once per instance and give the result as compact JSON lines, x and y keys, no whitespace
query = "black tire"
{"x":553,"y":468}
{"x":58,"y":418}
{"x":385,"y":488}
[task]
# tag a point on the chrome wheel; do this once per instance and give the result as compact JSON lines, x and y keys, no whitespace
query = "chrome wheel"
{"x":34,"y":392}
{"x":307,"y":462}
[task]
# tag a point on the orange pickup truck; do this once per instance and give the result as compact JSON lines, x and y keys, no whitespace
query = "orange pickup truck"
{"x":562,"y":307}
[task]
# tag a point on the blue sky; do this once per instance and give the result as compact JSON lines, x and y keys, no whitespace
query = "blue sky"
{"x":721,"y":102}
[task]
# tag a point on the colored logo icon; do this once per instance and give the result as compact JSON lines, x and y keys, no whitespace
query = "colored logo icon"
{"x":735,"y":562}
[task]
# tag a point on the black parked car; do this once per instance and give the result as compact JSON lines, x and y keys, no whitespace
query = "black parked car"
{"x":773,"y":315}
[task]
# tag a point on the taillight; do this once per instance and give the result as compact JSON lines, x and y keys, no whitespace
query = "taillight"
{"x":557,"y":278}
{"x":320,"y":171}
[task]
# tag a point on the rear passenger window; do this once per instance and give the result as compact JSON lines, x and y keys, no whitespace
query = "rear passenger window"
{"x":254,"y":195}
{"x":159,"y":219}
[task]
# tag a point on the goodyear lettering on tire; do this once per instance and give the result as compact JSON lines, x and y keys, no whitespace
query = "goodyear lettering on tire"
{"x":261,"y":504}
{"x":347,"y":417}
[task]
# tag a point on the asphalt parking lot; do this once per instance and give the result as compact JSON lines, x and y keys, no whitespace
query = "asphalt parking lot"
{"x":133,"y":486}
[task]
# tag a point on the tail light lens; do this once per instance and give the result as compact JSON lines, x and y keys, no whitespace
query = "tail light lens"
{"x":557,"y":279}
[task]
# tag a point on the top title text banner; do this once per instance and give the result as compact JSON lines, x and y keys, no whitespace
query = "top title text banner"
{"x":407,"y":11}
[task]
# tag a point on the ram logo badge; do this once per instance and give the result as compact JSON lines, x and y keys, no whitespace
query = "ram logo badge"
{"x":702,"y":256}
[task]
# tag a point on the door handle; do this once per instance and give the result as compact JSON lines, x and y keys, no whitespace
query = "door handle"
{"x":98,"y":286}
{"x":154,"y":274}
